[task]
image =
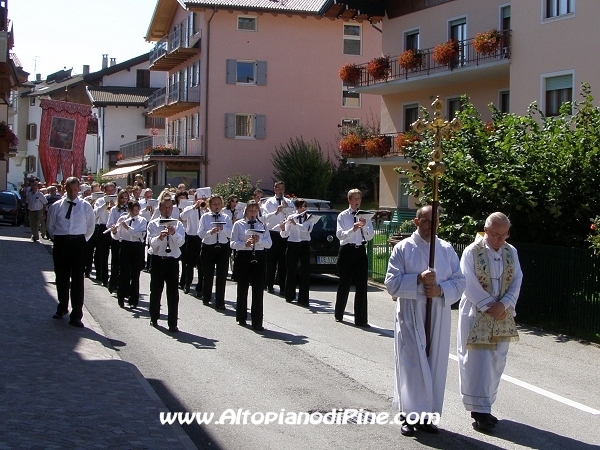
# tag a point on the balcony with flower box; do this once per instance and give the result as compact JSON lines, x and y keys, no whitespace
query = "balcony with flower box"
{"x":426,"y":69}
{"x":160,"y":147}
{"x":177,"y":47}
{"x":382,"y":150}
{"x":173,"y":99}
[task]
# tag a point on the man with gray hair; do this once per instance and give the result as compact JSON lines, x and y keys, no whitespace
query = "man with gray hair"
{"x":486,"y":322}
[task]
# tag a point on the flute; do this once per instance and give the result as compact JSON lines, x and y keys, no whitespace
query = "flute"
{"x":119,"y":222}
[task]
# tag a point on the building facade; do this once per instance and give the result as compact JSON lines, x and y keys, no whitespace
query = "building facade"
{"x":244,"y":78}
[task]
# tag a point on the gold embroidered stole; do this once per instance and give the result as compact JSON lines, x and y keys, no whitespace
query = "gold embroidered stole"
{"x":487,"y":331}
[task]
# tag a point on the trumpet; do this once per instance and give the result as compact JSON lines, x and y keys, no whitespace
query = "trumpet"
{"x":202,"y":204}
{"x":109,"y":206}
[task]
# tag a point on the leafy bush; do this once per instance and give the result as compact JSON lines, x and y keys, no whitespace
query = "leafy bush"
{"x":237,"y":184}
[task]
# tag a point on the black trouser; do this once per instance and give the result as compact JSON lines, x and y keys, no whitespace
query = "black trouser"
{"x":276,"y":261}
{"x":215,"y":258}
{"x":183,"y":250}
{"x":191,"y":260}
{"x":90,"y":246}
{"x":130,"y":266}
{"x":250,"y":274}
{"x":352,"y":264}
{"x":297,"y":252}
{"x":165,"y":270}
{"x":101,"y":256}
{"x":68,"y":255}
{"x":115,"y":249}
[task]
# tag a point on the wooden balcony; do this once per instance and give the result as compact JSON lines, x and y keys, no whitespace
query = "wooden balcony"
{"x":188,"y":146}
{"x":172,"y":100}
{"x":176,"y":48}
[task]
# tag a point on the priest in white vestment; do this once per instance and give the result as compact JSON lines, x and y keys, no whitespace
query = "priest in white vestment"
{"x":420,"y":379}
{"x":486,"y":318}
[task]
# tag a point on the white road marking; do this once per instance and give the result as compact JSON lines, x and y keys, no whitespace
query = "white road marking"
{"x":518,"y":382}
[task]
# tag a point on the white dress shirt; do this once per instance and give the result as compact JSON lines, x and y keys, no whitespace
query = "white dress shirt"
{"x":137,"y":229}
{"x":101,"y":212}
{"x":297,"y":232}
{"x":206,"y":224}
{"x":191,"y":216}
{"x":239,"y":236}
{"x":269,"y":209}
{"x":81,"y":221}
{"x":175,"y":241}
{"x":115,"y":214}
{"x":345,"y":229}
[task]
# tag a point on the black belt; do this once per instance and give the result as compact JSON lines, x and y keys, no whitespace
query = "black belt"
{"x":69,"y":236}
{"x":354,"y":245}
{"x":164,"y":257}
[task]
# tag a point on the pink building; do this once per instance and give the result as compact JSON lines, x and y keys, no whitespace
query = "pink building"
{"x":243,"y":77}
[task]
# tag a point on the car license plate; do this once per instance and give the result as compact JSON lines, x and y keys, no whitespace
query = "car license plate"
{"x":326,"y":259}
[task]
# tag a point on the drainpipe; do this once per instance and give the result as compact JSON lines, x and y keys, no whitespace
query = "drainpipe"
{"x":206,"y":97}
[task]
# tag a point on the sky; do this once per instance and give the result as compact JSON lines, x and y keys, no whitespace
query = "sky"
{"x":52,"y":35}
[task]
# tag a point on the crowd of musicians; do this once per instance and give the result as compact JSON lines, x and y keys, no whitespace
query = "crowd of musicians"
{"x":187,"y":233}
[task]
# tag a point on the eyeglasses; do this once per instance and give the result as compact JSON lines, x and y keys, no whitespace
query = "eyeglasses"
{"x":497,"y":235}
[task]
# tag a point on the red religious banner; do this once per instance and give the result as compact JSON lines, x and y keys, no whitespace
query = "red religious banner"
{"x":62,"y":138}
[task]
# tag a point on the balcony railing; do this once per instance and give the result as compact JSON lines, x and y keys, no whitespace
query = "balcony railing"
{"x":186,"y":145}
{"x":467,"y":57}
{"x":173,"y":99}
{"x":176,"y":47}
{"x":394,"y":150}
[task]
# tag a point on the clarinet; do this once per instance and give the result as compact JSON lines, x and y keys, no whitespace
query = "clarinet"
{"x":254,"y":260}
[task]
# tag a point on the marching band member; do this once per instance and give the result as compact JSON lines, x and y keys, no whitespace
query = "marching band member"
{"x":166,"y":235}
{"x":101,"y":212}
{"x":115,"y":243}
{"x":251,"y":239}
{"x":297,"y":230}
{"x":131,"y":231}
{"x":215,"y":231}
{"x":193,"y":243}
{"x":274,"y":217}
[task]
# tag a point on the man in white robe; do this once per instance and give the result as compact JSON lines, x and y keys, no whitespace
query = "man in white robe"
{"x":421,"y":379}
{"x":493,"y":276}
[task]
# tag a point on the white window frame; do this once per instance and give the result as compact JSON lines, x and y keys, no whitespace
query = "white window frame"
{"x":244,"y":16}
{"x":352,"y":38}
{"x":252,"y":119}
{"x":412,"y":31}
{"x":568,"y":4}
{"x":406,"y":106}
{"x":254,"y":70}
{"x":344,"y":91}
{"x":347,"y":123}
{"x":500,"y":93}
{"x":543,"y":79}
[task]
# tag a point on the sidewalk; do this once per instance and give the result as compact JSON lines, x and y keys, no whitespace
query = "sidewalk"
{"x":61,"y":386}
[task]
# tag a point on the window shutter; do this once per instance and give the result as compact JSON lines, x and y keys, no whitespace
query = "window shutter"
{"x":261,"y":73}
{"x":231,"y":71}
{"x":32,"y":131}
{"x":261,"y":131}
{"x":229,"y":125}
{"x":561,"y":82}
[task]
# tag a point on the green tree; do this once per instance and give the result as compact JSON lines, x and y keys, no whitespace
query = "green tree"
{"x":303,"y":168}
{"x":237,"y":184}
{"x":542,"y":173}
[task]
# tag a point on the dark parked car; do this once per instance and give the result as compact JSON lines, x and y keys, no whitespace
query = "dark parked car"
{"x":324,"y":245}
{"x":12,"y":209}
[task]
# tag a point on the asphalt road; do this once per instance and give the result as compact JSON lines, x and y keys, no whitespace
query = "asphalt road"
{"x":305,"y":362}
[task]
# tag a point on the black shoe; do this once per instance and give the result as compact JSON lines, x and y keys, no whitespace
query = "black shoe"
{"x":270,"y":290}
{"x":303,"y":303}
{"x":428,"y":427}
{"x":186,"y":289}
{"x":154,"y":323}
{"x":407,"y":430}
{"x":87,"y":275}
{"x":199,"y":295}
{"x":58,"y":315}
{"x":242,"y":323}
{"x":221,"y":307}
{"x":339,"y":320}
{"x":121,"y":302}
{"x":173,"y":329}
{"x":76,"y":323}
{"x":363,"y":325}
{"x":205,"y":303}
{"x":483,"y":422}
{"x":290,"y":301}
{"x":494,"y":419}
{"x":258,"y":327}
{"x":111,"y":289}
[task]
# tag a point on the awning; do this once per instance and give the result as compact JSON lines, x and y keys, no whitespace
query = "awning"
{"x":122,"y":172}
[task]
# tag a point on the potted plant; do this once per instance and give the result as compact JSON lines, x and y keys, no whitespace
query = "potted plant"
{"x":379,"y":68}
{"x":350,"y":73}
{"x":405,"y":139}
{"x":377,"y":146}
{"x":162,"y":150}
{"x":411,"y":59}
{"x":350,"y":145}
{"x":446,"y":52}
{"x":8,"y":138}
{"x":487,"y":43}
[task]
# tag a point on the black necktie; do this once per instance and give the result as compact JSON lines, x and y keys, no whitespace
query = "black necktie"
{"x":279,"y":200}
{"x":252,"y":222}
{"x":71,"y":204}
{"x":300,"y":220}
{"x":123,"y":209}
